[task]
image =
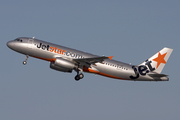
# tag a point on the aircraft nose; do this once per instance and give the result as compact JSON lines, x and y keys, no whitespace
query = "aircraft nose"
{"x":10,"y":44}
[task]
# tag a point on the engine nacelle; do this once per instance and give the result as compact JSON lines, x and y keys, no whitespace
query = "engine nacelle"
{"x":62,"y":65}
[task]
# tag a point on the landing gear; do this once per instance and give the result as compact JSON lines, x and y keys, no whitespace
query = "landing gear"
{"x":25,"y":62}
{"x":79,"y":75}
{"x":77,"y":78}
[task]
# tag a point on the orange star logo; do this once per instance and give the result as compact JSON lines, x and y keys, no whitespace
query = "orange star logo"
{"x":160,"y":59}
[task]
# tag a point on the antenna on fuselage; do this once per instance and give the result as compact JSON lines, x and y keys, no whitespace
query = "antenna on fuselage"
{"x":33,"y":37}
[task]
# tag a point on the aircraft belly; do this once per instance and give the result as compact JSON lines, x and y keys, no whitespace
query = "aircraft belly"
{"x":112,"y":72}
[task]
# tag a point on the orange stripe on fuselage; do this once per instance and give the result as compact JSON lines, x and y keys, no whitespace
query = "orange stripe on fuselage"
{"x":47,"y":59}
{"x":85,"y":69}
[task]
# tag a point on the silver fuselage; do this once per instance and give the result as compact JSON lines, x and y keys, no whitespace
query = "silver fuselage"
{"x":48,"y":51}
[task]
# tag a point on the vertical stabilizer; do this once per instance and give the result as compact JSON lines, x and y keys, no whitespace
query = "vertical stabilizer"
{"x":157,"y":62}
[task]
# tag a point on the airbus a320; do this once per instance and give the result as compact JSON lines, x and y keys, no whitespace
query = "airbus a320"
{"x":65,"y":59}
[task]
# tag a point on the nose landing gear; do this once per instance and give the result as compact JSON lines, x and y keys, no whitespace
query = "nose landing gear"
{"x":25,"y":62}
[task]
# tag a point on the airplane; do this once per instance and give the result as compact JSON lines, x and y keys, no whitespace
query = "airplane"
{"x":65,"y":59}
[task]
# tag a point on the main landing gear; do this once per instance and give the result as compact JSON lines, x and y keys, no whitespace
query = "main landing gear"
{"x":25,"y":62}
{"x":79,"y":75}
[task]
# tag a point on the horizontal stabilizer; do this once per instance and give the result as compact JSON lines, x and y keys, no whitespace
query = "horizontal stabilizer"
{"x":157,"y":75}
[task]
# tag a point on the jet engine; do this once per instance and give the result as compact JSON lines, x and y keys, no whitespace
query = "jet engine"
{"x":62,"y":65}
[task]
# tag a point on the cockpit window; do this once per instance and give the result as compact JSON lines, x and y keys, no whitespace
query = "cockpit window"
{"x":18,"y":40}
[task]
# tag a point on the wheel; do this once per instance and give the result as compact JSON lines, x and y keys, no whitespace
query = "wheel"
{"x":24,"y":62}
{"x":77,"y":78}
{"x":81,"y":76}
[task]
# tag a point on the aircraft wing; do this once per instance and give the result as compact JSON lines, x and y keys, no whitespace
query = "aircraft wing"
{"x":89,"y":61}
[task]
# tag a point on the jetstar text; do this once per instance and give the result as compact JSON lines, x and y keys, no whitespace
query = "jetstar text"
{"x":142,"y":70}
{"x":58,"y":51}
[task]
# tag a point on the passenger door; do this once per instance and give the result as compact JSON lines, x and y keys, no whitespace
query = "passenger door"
{"x":30,"y":43}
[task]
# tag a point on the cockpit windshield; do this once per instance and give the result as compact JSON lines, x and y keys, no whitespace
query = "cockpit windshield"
{"x":17,"y":39}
